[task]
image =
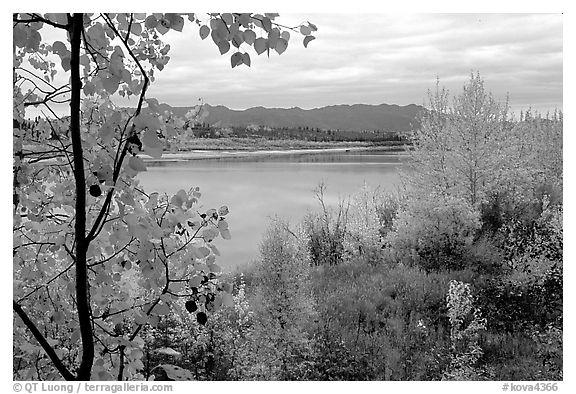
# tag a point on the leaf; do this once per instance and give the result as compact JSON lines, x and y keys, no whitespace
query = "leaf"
{"x":151,"y":22}
{"x":285,"y":35}
{"x":110,"y":83}
{"x":89,"y":88}
{"x":204,"y":31}
{"x":273,"y":37}
{"x":143,"y":121}
{"x":226,"y":234}
{"x":20,"y":36}
{"x":136,"y":29}
{"x":220,"y":29}
{"x":305,"y":30}
{"x":281,"y":45}
{"x":236,"y":59}
{"x":266,"y":24}
{"x":214,"y":249}
{"x":209,"y":233}
{"x":202,"y":252}
{"x":176,"y":22}
{"x":150,"y":139}
{"x":154,"y":152}
{"x":246,"y":59}
{"x":223,"y":46}
{"x":195,"y":281}
{"x":33,"y":40}
{"x":228,"y":18}
{"x":237,"y":40}
{"x":59,"y":48}
{"x":163,"y":26}
{"x":106,"y":133}
{"x":162,"y":310}
{"x":59,"y":18}
{"x":312,"y":26}
{"x":235,"y":29}
{"x":136,"y":164}
{"x":249,"y":36}
{"x":307,"y":39}
{"x":260,"y":45}
{"x":174,"y":372}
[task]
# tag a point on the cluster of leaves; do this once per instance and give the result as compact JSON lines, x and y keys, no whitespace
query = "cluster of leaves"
{"x":238,"y":29}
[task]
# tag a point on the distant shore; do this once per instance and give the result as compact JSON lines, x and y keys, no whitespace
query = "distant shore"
{"x":201,"y":154}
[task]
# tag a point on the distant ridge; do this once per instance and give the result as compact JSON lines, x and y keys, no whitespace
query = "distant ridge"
{"x":356,"y":117}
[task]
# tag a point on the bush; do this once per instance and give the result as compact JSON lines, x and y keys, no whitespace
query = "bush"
{"x":434,"y":232}
{"x":326,"y":232}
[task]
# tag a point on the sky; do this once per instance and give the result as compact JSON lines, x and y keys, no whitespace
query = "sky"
{"x":371,"y":58}
{"x":375,"y":58}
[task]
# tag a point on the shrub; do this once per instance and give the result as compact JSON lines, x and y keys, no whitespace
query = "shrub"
{"x":326,"y":231}
{"x":434,"y":232}
{"x":466,"y":324}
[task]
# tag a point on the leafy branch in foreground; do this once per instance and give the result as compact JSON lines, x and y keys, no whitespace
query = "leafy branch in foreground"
{"x":96,"y":258}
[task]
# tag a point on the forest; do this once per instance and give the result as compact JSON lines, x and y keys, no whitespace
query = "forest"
{"x":456,"y":276}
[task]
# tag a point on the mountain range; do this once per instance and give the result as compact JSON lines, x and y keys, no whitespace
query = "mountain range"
{"x":357,"y":117}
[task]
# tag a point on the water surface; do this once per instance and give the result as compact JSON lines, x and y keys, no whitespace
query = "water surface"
{"x":255,"y":189}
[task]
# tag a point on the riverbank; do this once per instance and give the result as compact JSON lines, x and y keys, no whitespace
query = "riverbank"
{"x":204,"y":154}
{"x":250,"y":144}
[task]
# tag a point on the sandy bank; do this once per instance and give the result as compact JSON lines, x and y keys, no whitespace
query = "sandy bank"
{"x":226,"y":154}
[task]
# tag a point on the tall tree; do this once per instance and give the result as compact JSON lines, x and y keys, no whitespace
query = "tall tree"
{"x":96,"y":257}
{"x":284,"y":302}
{"x":460,"y":148}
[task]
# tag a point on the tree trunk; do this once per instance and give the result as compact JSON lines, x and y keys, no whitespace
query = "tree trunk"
{"x":82,"y":288}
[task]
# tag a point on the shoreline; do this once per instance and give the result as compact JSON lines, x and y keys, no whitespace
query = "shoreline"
{"x":199,"y":154}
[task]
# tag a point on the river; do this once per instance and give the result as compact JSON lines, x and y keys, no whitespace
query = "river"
{"x":257,"y":188}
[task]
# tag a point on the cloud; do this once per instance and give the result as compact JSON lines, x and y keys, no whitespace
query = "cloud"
{"x":375,"y":58}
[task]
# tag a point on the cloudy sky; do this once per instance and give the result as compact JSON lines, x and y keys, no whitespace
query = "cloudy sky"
{"x":375,"y":58}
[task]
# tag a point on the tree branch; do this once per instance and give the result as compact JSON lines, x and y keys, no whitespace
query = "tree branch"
{"x":105,"y":207}
{"x":66,"y":374}
{"x":38,"y":18}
